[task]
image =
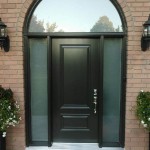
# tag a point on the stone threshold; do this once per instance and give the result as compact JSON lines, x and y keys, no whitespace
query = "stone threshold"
{"x":72,"y":146}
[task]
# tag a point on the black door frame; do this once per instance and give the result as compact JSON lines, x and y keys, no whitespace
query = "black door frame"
{"x":92,"y":47}
{"x":27,"y":35}
{"x":49,"y":37}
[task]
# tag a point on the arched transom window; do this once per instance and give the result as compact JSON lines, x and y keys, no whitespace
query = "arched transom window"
{"x":75,"y":16}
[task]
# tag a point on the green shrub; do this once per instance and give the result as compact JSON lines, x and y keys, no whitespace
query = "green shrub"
{"x":143,"y":109}
{"x":9,"y":110}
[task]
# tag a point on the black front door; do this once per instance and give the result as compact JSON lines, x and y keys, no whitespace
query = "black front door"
{"x":74,"y":89}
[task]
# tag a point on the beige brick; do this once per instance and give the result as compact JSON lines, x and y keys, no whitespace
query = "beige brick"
{"x":9,"y":6}
{"x":13,"y":13}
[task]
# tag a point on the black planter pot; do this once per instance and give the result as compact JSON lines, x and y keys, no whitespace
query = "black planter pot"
{"x":149,"y":140}
{"x":2,"y":142}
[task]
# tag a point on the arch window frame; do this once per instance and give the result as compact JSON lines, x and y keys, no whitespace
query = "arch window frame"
{"x":102,"y":35}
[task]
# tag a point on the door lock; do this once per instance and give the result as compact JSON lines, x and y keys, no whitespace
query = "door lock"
{"x":95,"y":92}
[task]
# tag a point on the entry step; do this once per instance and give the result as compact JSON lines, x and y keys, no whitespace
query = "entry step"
{"x":73,"y":146}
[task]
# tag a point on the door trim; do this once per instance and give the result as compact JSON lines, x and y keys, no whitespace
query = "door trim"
{"x":27,"y":83}
{"x":100,"y":85}
{"x":49,"y":69}
{"x":90,"y":76}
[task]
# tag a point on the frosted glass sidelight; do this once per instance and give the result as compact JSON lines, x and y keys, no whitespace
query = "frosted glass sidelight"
{"x":75,"y":16}
{"x":111,"y":89}
{"x":38,"y":70}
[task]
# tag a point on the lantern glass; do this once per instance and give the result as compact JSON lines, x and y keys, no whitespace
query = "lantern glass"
{"x":148,"y":31}
{"x":145,"y":32}
{"x":4,"y":38}
{"x":3,"y":32}
{"x":3,"y":29}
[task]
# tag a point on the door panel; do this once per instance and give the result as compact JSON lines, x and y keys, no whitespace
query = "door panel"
{"x":74,"y":63}
{"x":74,"y":60}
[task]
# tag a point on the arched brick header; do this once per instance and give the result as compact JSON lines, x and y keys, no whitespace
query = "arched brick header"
{"x":127,"y":14}
{"x":26,"y":7}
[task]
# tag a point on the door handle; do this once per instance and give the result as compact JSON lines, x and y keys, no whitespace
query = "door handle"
{"x":95,"y":104}
{"x":95,"y":101}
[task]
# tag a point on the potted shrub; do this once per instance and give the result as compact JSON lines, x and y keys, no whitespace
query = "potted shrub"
{"x":143,"y":110}
{"x":9,"y":114}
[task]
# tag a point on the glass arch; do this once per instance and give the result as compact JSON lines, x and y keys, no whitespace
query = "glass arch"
{"x":75,"y":16}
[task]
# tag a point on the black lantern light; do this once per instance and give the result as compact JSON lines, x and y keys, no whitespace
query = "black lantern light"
{"x":145,"y":41}
{"x":4,"y":38}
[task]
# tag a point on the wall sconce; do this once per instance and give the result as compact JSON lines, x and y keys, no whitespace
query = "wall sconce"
{"x":4,"y":38}
{"x":145,"y":40}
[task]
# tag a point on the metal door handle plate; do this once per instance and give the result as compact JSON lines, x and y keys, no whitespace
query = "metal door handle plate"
{"x":95,"y":104}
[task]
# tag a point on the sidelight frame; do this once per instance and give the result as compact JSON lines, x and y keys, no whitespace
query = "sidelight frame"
{"x":100,"y":88}
{"x":27,"y":84}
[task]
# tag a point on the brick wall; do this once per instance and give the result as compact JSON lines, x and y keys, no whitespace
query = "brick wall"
{"x":138,"y":70}
{"x":13,"y":13}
